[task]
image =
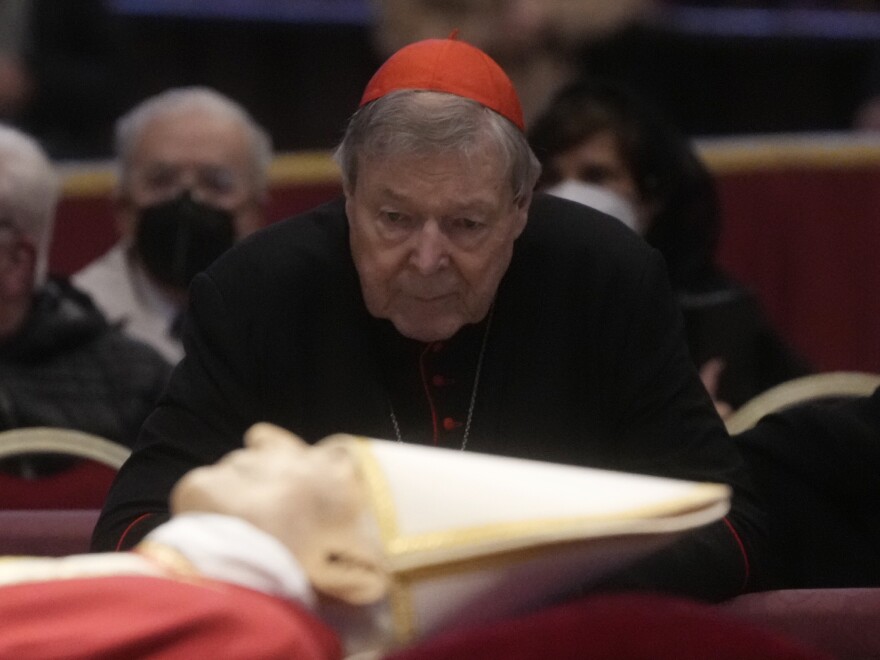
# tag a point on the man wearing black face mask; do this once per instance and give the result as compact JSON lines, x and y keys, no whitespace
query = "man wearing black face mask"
{"x":193,"y":175}
{"x":178,"y":238}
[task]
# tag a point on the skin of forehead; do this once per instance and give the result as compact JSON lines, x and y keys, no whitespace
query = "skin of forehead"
{"x":277,"y":449}
{"x":484,"y":181}
{"x":194,"y":137}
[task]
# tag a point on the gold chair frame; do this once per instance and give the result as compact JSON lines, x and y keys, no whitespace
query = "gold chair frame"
{"x":48,"y":440}
{"x":832,"y":384}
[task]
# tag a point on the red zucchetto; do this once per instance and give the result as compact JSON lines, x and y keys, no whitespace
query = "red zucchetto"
{"x":451,"y":66}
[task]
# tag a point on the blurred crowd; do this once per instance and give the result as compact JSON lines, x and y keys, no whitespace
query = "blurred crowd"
{"x":65,"y":86}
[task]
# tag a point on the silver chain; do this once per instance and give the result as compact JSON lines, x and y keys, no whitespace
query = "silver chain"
{"x":470,"y":415}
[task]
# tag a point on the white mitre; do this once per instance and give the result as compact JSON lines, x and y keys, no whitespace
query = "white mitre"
{"x":470,"y":537}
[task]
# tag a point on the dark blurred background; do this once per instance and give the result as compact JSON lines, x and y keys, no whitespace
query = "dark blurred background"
{"x":717,"y":68}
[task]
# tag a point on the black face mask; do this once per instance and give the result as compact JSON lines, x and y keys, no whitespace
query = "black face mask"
{"x":179,"y":238}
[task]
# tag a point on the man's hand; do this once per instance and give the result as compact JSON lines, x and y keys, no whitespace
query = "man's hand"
{"x":710,"y":374}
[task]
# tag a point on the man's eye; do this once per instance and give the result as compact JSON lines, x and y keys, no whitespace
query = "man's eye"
{"x":216,"y":180}
{"x":396,"y":219}
{"x":464,"y":225}
{"x":161,"y":178}
{"x":596,"y":174}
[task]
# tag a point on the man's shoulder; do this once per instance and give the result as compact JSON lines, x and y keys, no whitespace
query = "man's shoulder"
{"x":113,"y":357}
{"x":122,"y":295}
{"x":563,"y":225}
{"x":297,"y":245}
{"x":569,"y":240}
{"x":103,"y":270}
{"x":131,"y":354}
{"x":323,"y":227}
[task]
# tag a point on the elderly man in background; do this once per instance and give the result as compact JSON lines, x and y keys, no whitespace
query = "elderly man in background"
{"x":193,"y":170}
{"x":61,"y":363}
{"x":439,"y":303}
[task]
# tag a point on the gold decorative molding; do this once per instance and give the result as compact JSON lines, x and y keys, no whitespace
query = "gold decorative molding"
{"x":805,"y":151}
{"x":723,"y":155}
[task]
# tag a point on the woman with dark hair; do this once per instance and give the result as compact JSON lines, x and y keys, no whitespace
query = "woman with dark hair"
{"x":601,"y":133}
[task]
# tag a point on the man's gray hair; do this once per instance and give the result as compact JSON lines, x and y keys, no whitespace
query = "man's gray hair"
{"x":422,"y":122}
{"x":131,"y":125}
{"x":29,"y":189}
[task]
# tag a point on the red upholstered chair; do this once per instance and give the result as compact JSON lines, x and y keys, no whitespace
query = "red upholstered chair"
{"x":829,"y":444}
{"x":842,"y":622}
{"x":631,"y":626}
{"x":54,"y":515}
{"x":50,"y":533}
{"x":83,"y":485}
{"x":827,"y":386}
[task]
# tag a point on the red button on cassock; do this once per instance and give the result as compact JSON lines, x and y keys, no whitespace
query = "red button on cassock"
{"x":450,"y":424}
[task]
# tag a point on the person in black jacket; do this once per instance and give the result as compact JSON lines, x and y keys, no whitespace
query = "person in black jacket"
{"x":602,"y":133}
{"x":816,"y":465}
{"x":439,"y":303}
{"x":61,"y":363}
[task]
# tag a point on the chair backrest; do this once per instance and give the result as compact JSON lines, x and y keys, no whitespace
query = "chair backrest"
{"x":78,"y":444}
{"x":831,"y":385}
{"x":814,"y":463}
{"x":81,"y":485}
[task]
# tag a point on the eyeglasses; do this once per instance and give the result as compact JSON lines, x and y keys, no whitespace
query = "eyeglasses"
{"x":9,"y":231}
{"x":220,"y":186}
{"x":10,"y":238}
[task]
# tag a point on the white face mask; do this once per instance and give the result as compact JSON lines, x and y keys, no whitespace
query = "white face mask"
{"x":599,"y":198}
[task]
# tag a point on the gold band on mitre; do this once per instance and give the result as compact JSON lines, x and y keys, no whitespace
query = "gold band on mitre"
{"x":470,"y":537}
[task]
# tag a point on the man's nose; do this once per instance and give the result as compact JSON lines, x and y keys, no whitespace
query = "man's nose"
{"x":189,"y":181}
{"x":429,"y":252}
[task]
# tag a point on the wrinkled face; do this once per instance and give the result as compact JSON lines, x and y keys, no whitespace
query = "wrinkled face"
{"x":17,"y":267}
{"x":431,"y":237}
{"x":9,"y":239}
{"x":279,"y":484}
{"x":207,"y":154}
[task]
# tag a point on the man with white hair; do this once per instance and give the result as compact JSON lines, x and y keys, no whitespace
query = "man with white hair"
{"x":61,"y":363}
{"x":193,"y":167}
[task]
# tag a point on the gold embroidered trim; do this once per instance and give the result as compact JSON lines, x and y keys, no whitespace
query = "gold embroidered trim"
{"x":169,"y":559}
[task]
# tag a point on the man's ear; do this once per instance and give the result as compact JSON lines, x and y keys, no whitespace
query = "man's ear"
{"x":125,"y":214}
{"x":343,"y":569}
{"x":349,"y":206}
{"x":522,"y":214}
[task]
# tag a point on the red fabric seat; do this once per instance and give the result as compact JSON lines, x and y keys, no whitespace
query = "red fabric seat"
{"x":843,"y":622}
{"x":84,"y":485}
{"x":46,"y":533}
{"x":134,"y":617}
{"x":632,"y":626}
